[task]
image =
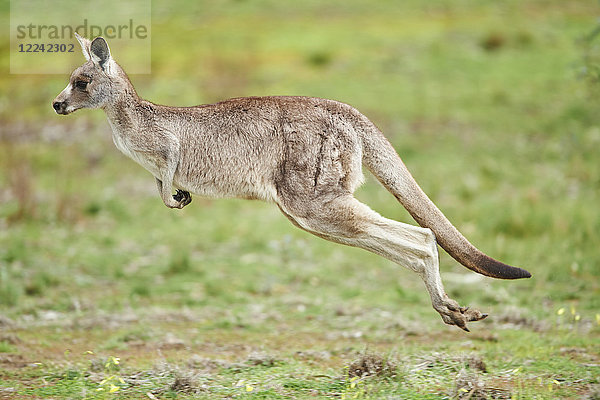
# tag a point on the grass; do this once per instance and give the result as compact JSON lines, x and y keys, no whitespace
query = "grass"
{"x":493,"y":107}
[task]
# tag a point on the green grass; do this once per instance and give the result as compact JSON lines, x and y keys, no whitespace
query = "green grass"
{"x":488,"y":106}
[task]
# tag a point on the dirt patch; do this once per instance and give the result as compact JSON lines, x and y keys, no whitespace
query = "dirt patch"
{"x":6,"y":322}
{"x":581,"y":355}
{"x":172,"y":342}
{"x":514,"y":319}
{"x":13,"y":361}
{"x":206,"y":364}
{"x":313,"y":355}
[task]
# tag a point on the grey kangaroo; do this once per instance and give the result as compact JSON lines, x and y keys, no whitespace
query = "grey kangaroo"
{"x":304,"y":154}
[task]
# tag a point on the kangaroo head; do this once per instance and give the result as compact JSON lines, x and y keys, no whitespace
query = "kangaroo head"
{"x":95,"y":83}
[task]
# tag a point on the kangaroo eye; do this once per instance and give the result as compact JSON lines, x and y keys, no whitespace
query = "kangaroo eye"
{"x":81,"y":84}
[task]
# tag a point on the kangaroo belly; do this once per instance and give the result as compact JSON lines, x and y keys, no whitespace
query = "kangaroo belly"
{"x":234,"y":175}
{"x":226,"y":185}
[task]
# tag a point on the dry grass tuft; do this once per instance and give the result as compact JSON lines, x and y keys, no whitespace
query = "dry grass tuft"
{"x":175,"y":379}
{"x":262,"y":359}
{"x":594,"y":393}
{"x":469,"y":386}
{"x":370,"y":364}
{"x":475,"y":363}
{"x":20,"y":184}
{"x":444,"y":361}
{"x":184,"y":383}
{"x":98,"y":364}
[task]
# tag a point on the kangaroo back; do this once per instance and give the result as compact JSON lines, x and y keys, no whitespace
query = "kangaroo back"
{"x":382,"y":160}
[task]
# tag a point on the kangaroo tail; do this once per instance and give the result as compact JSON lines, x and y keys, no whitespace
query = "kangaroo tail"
{"x":382,"y":160}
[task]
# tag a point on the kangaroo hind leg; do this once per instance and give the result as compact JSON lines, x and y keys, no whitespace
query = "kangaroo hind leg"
{"x":347,"y":221}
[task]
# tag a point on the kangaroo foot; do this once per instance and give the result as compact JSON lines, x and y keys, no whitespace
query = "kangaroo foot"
{"x":453,"y":314}
{"x":184,"y":198}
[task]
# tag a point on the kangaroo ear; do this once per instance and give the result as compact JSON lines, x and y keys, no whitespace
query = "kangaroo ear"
{"x":85,"y":46}
{"x":100,"y":52}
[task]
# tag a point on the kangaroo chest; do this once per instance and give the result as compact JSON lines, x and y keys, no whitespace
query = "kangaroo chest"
{"x":127,"y":146}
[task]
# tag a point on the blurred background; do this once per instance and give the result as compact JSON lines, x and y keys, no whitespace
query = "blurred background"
{"x":493,"y":106}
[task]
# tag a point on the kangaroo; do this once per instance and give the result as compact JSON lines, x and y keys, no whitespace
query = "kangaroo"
{"x":304,"y":154}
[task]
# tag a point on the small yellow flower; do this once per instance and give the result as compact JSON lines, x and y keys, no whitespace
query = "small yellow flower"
{"x":577,"y":317}
{"x":249,"y":388}
{"x":113,"y":360}
{"x":561,"y":311}
{"x":113,"y":388}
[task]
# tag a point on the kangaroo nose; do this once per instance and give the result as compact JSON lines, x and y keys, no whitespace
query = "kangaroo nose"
{"x":59,"y":106}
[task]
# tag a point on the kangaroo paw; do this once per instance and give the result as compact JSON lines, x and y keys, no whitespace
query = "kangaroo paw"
{"x":184,"y":198}
{"x":453,"y":314}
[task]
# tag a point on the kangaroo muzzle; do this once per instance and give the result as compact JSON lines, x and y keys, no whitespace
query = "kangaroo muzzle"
{"x":60,"y":107}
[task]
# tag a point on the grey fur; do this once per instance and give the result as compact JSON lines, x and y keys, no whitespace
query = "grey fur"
{"x":303,"y":154}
